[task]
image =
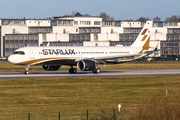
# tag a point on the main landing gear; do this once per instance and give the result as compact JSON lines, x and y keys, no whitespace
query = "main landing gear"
{"x":72,"y":70}
{"x":26,"y":72}
{"x":96,"y":71}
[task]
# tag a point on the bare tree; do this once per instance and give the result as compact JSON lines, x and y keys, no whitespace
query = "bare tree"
{"x":129,"y":20}
{"x":143,"y":19}
{"x":67,"y":15}
{"x":87,"y":15}
{"x":72,"y":14}
{"x":105,"y":17}
{"x":173,"y":18}
{"x":157,"y":18}
{"x":112,"y":19}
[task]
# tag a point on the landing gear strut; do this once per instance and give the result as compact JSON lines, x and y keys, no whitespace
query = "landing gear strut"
{"x":72,"y":70}
{"x":97,"y":71}
{"x":26,"y":72}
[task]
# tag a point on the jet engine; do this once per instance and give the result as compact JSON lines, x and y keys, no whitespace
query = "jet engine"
{"x":50,"y":67}
{"x":86,"y":65}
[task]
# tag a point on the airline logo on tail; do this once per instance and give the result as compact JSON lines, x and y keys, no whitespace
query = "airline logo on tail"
{"x":144,"y":37}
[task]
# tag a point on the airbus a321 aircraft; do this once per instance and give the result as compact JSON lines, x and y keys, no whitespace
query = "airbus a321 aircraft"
{"x":85,"y":58}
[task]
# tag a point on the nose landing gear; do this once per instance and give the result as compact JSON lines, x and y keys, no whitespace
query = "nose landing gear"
{"x":26,"y":72}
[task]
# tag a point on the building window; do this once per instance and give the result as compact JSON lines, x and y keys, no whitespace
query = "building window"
{"x":75,"y":22}
{"x":160,"y":24}
{"x":111,"y":30}
{"x":26,"y":41}
{"x":23,"y":22}
{"x":108,"y":23}
{"x":96,"y":44}
{"x":7,"y":41}
{"x":176,"y":24}
{"x":85,"y":22}
{"x":68,"y":22}
{"x":95,"y":37}
{"x":64,"y":31}
{"x":4,"y":22}
{"x":14,"y":31}
{"x":132,"y":30}
{"x":76,"y":30}
{"x":90,"y":30}
{"x":16,"y":22}
{"x":96,"y":22}
{"x":118,"y":24}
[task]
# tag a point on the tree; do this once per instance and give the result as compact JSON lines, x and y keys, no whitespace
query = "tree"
{"x":143,"y":19}
{"x":173,"y":18}
{"x":87,"y":15}
{"x":157,"y":18}
{"x":72,"y":14}
{"x":106,"y":17}
{"x":67,"y":15}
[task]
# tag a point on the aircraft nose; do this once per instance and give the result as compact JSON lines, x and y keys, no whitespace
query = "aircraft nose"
{"x":10,"y":59}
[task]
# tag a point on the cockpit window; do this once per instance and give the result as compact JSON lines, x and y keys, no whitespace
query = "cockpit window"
{"x":19,"y":52}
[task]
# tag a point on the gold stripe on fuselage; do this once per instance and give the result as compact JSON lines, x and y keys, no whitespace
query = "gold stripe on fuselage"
{"x":40,"y":60}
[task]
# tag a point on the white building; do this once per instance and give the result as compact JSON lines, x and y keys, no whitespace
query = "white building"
{"x":87,"y":31}
{"x":17,"y":33}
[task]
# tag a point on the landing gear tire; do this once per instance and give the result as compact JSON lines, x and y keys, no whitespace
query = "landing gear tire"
{"x":96,"y":71}
{"x":26,"y":72}
{"x":72,"y":71}
{"x":27,"y":68}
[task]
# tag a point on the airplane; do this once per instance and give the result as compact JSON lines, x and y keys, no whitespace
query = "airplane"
{"x":51,"y":58}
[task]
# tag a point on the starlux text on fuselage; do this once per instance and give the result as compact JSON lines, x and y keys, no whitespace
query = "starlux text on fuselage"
{"x":58,"y":51}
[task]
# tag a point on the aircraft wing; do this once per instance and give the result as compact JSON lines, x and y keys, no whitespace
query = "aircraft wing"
{"x":115,"y":57}
{"x":103,"y":58}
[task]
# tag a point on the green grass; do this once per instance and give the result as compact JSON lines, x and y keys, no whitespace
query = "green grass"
{"x":69,"y":94}
{"x":44,"y":95}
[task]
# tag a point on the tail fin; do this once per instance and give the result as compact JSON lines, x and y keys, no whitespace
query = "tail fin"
{"x":144,"y":37}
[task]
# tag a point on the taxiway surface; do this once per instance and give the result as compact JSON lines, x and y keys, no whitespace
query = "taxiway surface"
{"x":65,"y":73}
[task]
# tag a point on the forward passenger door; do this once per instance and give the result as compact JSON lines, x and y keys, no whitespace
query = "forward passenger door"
{"x":31,"y":52}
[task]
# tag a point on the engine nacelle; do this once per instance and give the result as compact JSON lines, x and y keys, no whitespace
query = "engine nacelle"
{"x":86,"y":65}
{"x":50,"y":67}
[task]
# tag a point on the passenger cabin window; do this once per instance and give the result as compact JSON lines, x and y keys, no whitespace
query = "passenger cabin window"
{"x":19,"y":52}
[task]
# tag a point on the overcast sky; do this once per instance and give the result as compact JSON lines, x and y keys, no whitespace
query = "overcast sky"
{"x":119,"y":9}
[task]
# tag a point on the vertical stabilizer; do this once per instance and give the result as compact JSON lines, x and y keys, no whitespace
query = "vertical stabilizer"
{"x":143,"y":38}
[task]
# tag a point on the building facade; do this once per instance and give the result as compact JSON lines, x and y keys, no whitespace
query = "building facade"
{"x":84,"y":31}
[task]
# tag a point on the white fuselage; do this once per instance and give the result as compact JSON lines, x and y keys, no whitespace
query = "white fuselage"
{"x":36,"y":55}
